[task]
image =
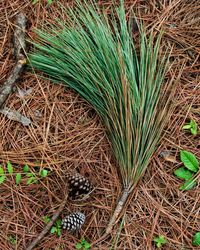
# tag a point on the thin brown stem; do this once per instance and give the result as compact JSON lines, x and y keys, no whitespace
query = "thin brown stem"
{"x":48,"y":226}
{"x":116,"y":215}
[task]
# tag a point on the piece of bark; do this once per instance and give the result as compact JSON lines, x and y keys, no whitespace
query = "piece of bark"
{"x":19,"y":48}
{"x":15,"y":116}
{"x":23,"y":93}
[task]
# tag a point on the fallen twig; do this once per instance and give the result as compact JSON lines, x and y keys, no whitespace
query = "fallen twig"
{"x":49,"y":225}
{"x":121,"y":205}
{"x":19,"y":37}
{"x":19,"y":46}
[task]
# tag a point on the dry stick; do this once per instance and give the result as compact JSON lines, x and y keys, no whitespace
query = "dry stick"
{"x":118,"y":209}
{"x":121,"y":205}
{"x":116,"y":215}
{"x":19,"y":47}
{"x":49,"y":225}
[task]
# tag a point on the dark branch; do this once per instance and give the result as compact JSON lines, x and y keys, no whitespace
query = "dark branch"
{"x":19,"y":47}
{"x":49,"y":225}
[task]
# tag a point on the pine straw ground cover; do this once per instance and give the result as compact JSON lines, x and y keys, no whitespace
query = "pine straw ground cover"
{"x":68,"y":135}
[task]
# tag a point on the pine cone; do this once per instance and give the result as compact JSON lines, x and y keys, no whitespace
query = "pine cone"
{"x":73,"y":222}
{"x":78,"y":185}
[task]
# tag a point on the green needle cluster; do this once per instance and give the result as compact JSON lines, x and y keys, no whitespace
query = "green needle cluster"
{"x":96,"y":56}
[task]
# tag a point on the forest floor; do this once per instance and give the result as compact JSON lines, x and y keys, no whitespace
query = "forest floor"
{"x":66,"y":133}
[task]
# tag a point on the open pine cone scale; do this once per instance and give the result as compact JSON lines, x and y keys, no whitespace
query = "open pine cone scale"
{"x":78,"y":185}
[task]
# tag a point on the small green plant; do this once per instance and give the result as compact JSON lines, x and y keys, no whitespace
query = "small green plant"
{"x":183,"y":173}
{"x":83,"y":244}
{"x":9,"y":167}
{"x":189,"y":160}
{"x":160,"y":241}
{"x":44,"y":173}
{"x":56,"y":229}
{"x":2,"y":175}
{"x":32,"y":177}
{"x":18,"y":178}
{"x":46,"y":219}
{"x":191,"y":166}
{"x":192,"y":126}
{"x":26,"y":168}
{"x":48,"y":1}
{"x":196,"y":239}
{"x":12,"y":239}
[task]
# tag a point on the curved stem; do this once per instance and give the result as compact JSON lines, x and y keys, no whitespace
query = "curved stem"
{"x":118,"y":209}
{"x":116,"y":215}
{"x":48,"y":226}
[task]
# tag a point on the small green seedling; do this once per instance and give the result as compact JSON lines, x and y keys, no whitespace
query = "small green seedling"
{"x":56,"y":229}
{"x":18,"y":178}
{"x":12,"y":239}
{"x":192,"y":126}
{"x":26,"y":168}
{"x":46,"y":219}
{"x":190,"y":161}
{"x":191,"y":166}
{"x":2,"y":175}
{"x":48,"y":1}
{"x":9,"y":167}
{"x":83,"y":245}
{"x":183,"y":173}
{"x":196,"y":240}
{"x":160,"y":241}
{"x":44,"y":173}
{"x":32,"y":178}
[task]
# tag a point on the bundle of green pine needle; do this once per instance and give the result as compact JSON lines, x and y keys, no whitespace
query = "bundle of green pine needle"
{"x":96,"y":56}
